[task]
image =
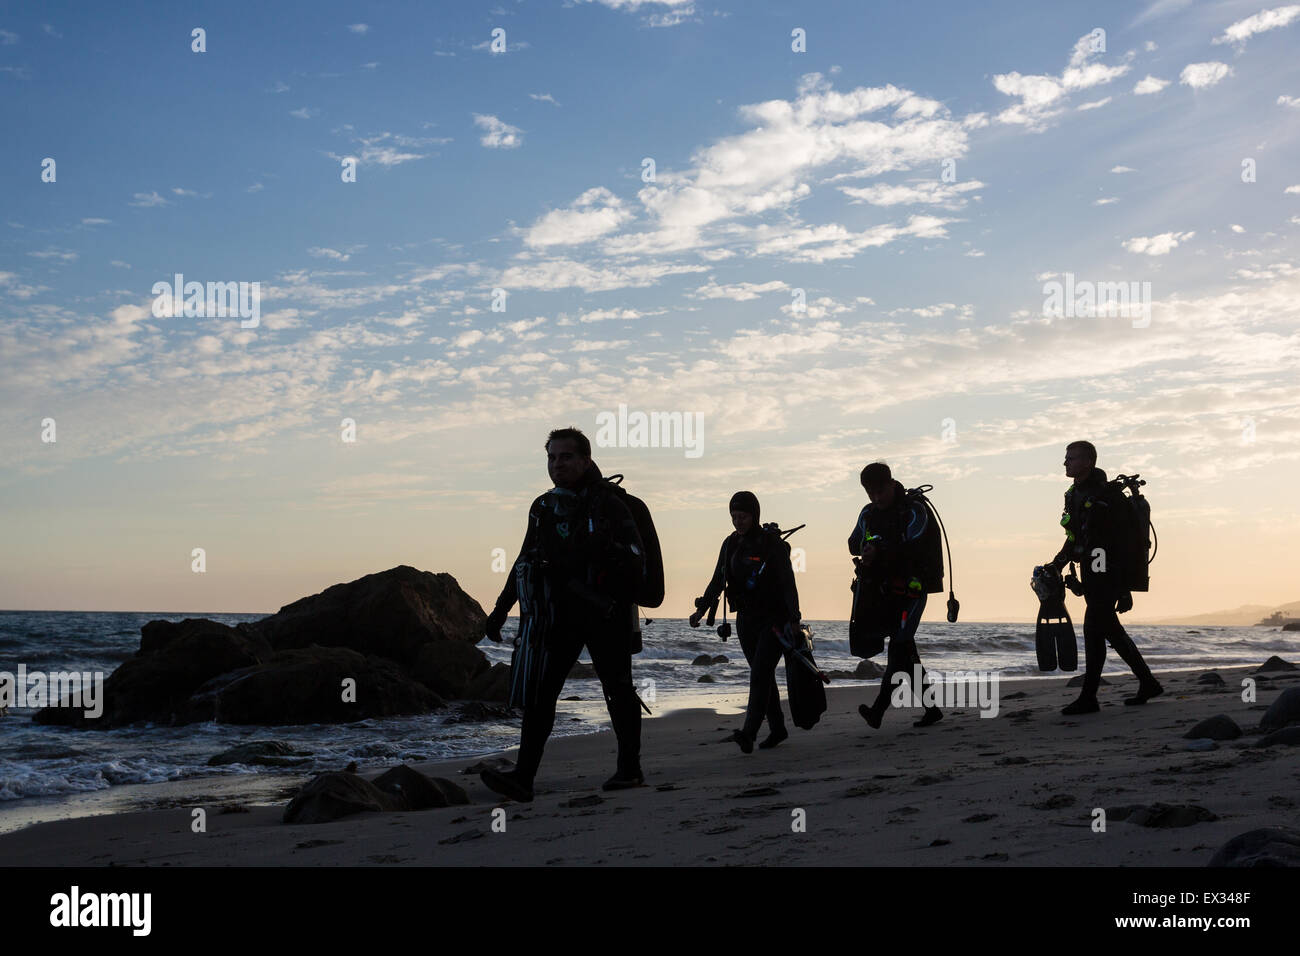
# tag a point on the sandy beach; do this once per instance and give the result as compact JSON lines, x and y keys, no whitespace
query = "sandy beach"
{"x":1018,"y":789}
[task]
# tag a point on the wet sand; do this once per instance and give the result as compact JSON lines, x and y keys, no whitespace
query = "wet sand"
{"x":1020,"y":788}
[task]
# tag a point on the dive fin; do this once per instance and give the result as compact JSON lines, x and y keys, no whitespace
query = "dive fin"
{"x":1054,"y":638}
{"x":1067,"y":648}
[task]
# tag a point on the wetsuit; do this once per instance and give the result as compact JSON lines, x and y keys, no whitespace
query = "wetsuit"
{"x":1098,"y":518}
{"x":587,"y":542}
{"x":756,"y":571}
{"x":899,"y":570}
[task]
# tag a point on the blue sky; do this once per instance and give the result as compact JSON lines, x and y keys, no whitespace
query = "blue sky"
{"x":923,"y":342}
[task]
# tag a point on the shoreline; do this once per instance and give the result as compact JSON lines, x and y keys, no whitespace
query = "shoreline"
{"x":259,"y":786}
{"x":1020,"y":788}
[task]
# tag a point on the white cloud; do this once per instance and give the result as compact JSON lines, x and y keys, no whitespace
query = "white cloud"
{"x":965,"y":311}
{"x":1157,"y":245}
{"x":149,"y":199}
{"x":833,"y":241}
{"x":95,"y":222}
{"x":564,"y":273}
{"x":1106,"y":201}
{"x":1200,"y":76}
{"x":523,"y":325}
{"x":1238,"y":229}
{"x":604,"y":315}
{"x":390,"y":149}
{"x":1122,"y":169}
{"x":319,"y":252}
{"x":543,"y":98}
{"x":358,"y":28}
{"x":1149,"y":84}
{"x":738,"y":292}
{"x":9,"y":282}
{"x":1241,"y":31}
{"x":1040,"y":95}
{"x":1291,"y":101}
{"x":304,"y":112}
{"x":593,"y":214}
{"x":1094,"y":105}
{"x":768,"y":169}
{"x":498,"y":134}
{"x":1292,"y":189}
{"x":926,"y":191}
{"x":7,"y":38}
{"x":815,"y":309}
{"x":658,"y":13}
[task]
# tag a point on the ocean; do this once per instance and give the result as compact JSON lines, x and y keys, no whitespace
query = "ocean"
{"x":50,"y":764}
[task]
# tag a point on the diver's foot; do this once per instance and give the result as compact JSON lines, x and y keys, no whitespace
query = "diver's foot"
{"x":1146,"y":692}
{"x":932,"y":715}
{"x":624,"y":780}
{"x":774,"y":738}
{"x":745,"y":741}
{"x":509,"y":784}
{"x":1084,"y":705}
{"x":870,"y":715}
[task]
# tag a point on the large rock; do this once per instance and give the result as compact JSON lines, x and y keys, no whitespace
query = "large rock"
{"x":331,"y":796}
{"x":174,"y":660}
{"x":1275,"y":663}
{"x":390,"y":614}
{"x":1221,"y":727}
{"x":401,"y":623}
{"x":1283,"y":711}
{"x":306,"y":685}
{"x":1267,"y":846}
{"x":492,"y":685}
{"x":449,"y":667}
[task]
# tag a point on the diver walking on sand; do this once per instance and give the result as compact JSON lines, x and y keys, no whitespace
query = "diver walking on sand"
{"x":579,"y":570}
{"x":754,"y":568}
{"x":1098,"y":533}
{"x":893,"y":546}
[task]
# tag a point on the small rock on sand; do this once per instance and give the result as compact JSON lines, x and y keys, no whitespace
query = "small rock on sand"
{"x":1267,"y":846}
{"x":1283,"y":711}
{"x":1162,"y":815}
{"x":1219,"y":727}
{"x":490,"y":763}
{"x":1275,"y":663}
{"x":1287,"y":736}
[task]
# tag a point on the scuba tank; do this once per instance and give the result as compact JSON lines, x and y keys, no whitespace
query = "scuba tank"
{"x":1143,"y":542}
